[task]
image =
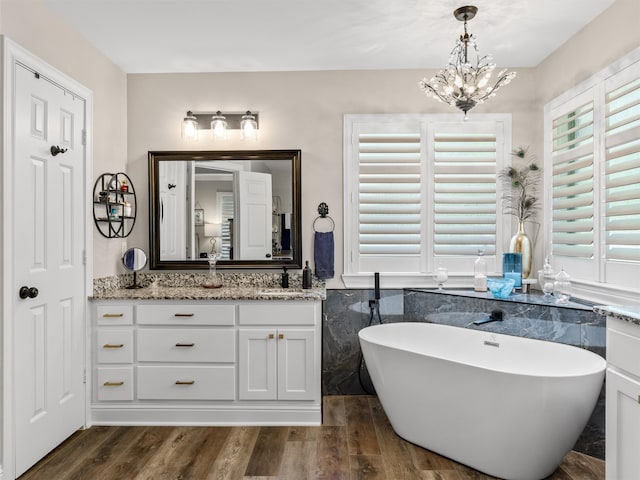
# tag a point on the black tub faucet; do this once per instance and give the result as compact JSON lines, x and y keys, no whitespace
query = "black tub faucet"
{"x":496,"y":316}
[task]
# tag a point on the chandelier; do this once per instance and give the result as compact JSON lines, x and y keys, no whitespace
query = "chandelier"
{"x":465,"y":81}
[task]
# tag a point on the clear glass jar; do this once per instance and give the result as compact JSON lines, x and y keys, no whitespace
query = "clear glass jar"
{"x":480,"y":273}
{"x":547,"y":278}
{"x":562,"y":287}
{"x":212,"y":279}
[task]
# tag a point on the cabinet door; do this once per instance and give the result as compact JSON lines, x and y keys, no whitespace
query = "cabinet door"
{"x":297,"y":377}
{"x":623,"y":427}
{"x":257,"y":363}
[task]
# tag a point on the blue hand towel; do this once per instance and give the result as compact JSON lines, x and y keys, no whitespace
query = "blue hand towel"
{"x":323,"y":254}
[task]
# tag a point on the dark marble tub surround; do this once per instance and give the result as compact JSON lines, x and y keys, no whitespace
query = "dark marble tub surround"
{"x":530,"y":316}
{"x":346,"y":312}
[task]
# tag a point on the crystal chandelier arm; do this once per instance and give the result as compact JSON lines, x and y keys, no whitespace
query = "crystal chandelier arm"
{"x":429,"y":89}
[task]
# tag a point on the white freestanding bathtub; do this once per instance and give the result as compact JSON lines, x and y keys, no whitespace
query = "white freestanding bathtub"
{"x":507,"y":406}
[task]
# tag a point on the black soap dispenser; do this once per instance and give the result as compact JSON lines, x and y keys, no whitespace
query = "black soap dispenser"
{"x":285,"y":278}
{"x":306,"y":275}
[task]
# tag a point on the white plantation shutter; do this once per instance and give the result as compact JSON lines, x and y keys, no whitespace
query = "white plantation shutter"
{"x":420,"y":193}
{"x":593,"y":138}
{"x":389,"y":212}
{"x":573,"y":183}
{"x":464,"y":205}
{"x":622,"y":173}
{"x":225,"y":202}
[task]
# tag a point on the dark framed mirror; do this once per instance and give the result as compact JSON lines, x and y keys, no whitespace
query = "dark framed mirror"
{"x":242,"y":206}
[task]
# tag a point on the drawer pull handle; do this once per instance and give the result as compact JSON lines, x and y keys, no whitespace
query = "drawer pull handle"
{"x":185,"y":344}
{"x":183,"y":315}
{"x":111,"y":345}
{"x":113,"y":384}
{"x":271,"y":336}
{"x":113,"y":315}
{"x":280,"y":336}
{"x":185,"y":382}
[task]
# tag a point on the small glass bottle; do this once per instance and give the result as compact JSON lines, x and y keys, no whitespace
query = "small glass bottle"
{"x":480,"y":273}
{"x":212,"y":280}
{"x":306,"y":275}
{"x":546,"y":278}
{"x":562,"y":287}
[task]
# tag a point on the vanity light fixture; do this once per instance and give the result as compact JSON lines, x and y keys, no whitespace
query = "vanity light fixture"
{"x":249,"y":127}
{"x":464,"y":82}
{"x":190,"y":127}
{"x":219,"y":124}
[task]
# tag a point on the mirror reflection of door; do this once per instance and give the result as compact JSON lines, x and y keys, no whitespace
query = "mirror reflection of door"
{"x":173,"y":205}
{"x":253,"y":215}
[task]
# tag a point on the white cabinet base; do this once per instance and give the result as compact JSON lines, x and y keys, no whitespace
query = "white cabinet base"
{"x":187,"y":362}
{"x":307,"y":414}
{"x":623,"y":400}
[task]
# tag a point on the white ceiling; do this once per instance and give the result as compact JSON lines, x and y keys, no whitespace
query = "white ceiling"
{"x":150,"y":36}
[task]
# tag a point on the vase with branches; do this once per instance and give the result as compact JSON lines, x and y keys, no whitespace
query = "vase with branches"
{"x":520,"y":199}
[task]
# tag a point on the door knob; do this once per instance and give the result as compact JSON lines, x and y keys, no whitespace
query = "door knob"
{"x":28,"y":292}
{"x":55,"y":150}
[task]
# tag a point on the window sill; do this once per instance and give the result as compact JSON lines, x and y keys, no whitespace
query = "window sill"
{"x":596,"y":293}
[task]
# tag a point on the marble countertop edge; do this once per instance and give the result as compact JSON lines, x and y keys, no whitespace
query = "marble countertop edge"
{"x":201,"y":293}
{"x":627,"y":313}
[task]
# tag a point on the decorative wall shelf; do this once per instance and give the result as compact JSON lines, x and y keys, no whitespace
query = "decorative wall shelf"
{"x":114,"y":205}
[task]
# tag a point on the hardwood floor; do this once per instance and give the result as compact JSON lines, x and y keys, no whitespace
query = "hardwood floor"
{"x":355,"y":442}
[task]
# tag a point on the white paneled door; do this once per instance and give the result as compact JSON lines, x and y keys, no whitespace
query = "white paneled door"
{"x":253,"y":217}
{"x":48,"y":266}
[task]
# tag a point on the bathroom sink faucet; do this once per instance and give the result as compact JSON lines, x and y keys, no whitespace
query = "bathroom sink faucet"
{"x":496,"y":316}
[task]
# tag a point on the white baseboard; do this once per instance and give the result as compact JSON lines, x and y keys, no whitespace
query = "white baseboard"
{"x":228,"y":415}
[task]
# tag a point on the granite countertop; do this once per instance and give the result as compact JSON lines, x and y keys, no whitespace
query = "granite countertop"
{"x":628,"y":313}
{"x":188,"y":286}
{"x":201,"y":293}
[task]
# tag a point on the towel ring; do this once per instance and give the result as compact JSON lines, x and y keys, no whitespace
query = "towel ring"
{"x":323,"y":210}
{"x":333,"y":224}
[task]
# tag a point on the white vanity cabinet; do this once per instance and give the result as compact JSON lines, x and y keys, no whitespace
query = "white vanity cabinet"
{"x":206,"y":362}
{"x":622,"y":400}
{"x":278,"y":358}
{"x":113,"y":350}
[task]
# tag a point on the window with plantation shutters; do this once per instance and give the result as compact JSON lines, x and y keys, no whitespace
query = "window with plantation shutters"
{"x":572,"y":173}
{"x":592,"y":138}
{"x":420,"y":193}
{"x":464,"y":201}
{"x":389,"y":193}
{"x":622,"y":173}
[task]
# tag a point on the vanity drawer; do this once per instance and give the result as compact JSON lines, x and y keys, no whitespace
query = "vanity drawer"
{"x":622,"y":351}
{"x":277,"y":313}
{"x":175,"y":314}
{"x":114,"y":384}
{"x":114,"y":314}
{"x":186,"y":345}
{"x":187,"y":383}
{"x":114,"y":345}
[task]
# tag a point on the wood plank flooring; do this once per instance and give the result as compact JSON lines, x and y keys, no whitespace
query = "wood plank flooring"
{"x":355,"y":442}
